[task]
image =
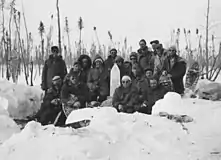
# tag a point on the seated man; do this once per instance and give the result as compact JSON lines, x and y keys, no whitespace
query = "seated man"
{"x":125,"y":98}
{"x":51,"y":105}
{"x":153,"y":95}
{"x":74,"y":95}
{"x":165,"y":84}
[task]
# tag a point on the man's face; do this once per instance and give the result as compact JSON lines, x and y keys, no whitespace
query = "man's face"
{"x":149,"y":74}
{"x":142,"y":45}
{"x":113,"y":54}
{"x":73,"y":80}
{"x":153,"y":83}
{"x":133,"y":60}
{"x":154,"y":46}
{"x":172,"y":52}
{"x":55,"y":52}
{"x":85,"y":63}
{"x":76,"y":67}
{"x":119,"y":63}
{"x":158,"y":50}
{"x":126,"y":83}
{"x":98,"y":64}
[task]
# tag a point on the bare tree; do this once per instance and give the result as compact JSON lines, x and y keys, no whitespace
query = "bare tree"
{"x":80,"y":26}
{"x":41,"y":30}
{"x":207,"y":39}
{"x":59,"y":26}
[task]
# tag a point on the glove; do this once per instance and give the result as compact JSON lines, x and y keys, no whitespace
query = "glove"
{"x":55,"y":101}
{"x":120,"y":108}
{"x":144,"y":105}
{"x":77,"y":104}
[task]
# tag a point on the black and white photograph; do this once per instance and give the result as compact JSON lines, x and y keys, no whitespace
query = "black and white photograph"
{"x":110,"y":79}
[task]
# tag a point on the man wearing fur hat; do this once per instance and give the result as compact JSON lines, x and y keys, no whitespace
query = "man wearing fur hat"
{"x":98,"y":81}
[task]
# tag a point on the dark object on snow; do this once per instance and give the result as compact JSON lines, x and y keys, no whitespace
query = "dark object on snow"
{"x":177,"y":118}
{"x":79,"y":124}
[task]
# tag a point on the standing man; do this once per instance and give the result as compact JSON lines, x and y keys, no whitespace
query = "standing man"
{"x":175,"y":67}
{"x":54,"y":66}
{"x":154,"y":44}
{"x":145,"y":57}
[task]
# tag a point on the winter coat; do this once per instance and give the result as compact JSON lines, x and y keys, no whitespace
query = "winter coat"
{"x":49,"y":111}
{"x":80,"y":75}
{"x":146,"y":59}
{"x":97,"y":80}
{"x":127,"y":97}
{"x":53,"y":67}
{"x":142,"y":85}
{"x":80,"y":91}
{"x":86,"y":70}
{"x":177,"y":72}
{"x":159,"y":63}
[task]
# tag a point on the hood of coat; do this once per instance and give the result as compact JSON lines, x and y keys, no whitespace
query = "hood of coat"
{"x":97,"y":57}
{"x":84,"y":56}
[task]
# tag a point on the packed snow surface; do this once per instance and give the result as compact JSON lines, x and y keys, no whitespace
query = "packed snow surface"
{"x":114,"y":136}
{"x":7,"y":125}
{"x":23,"y":101}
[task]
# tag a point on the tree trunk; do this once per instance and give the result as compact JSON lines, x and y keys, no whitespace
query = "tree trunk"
{"x":59,"y":27}
{"x":80,"y":43}
{"x":207,"y":40}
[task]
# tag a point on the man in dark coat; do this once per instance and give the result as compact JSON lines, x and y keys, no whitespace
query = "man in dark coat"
{"x":85,"y":63}
{"x":77,"y":72}
{"x":51,"y":105}
{"x":126,"y":97}
{"x":97,"y":80}
{"x":54,"y":66}
{"x":175,"y":66}
{"x":109,"y":62}
{"x":120,"y":63}
{"x":145,"y":57}
{"x":74,"y":94}
{"x":153,"y":95}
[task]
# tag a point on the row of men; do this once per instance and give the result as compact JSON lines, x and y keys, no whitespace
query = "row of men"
{"x":147,"y":77}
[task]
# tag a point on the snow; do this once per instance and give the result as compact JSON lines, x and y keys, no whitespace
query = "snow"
{"x":110,"y":135}
{"x":23,"y":100}
{"x":7,"y":125}
{"x":122,"y":136}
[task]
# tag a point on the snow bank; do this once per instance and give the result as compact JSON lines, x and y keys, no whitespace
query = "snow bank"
{"x":122,"y":136}
{"x":23,"y":100}
{"x":7,"y":125}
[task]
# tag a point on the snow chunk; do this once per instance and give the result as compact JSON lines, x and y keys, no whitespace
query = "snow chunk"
{"x":23,"y":100}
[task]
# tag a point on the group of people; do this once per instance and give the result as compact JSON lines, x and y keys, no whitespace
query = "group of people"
{"x":145,"y":78}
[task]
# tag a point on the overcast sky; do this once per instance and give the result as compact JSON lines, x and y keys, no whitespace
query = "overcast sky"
{"x":134,"y":19}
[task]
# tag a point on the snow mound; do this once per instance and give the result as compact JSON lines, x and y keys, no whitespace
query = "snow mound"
{"x":209,"y":90}
{"x":7,"y":125}
{"x":121,"y":136}
{"x":23,"y":100}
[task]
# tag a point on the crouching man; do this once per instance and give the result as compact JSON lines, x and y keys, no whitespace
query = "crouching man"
{"x":153,"y":95}
{"x":74,"y":95}
{"x":51,"y":105}
{"x":126,"y":97}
